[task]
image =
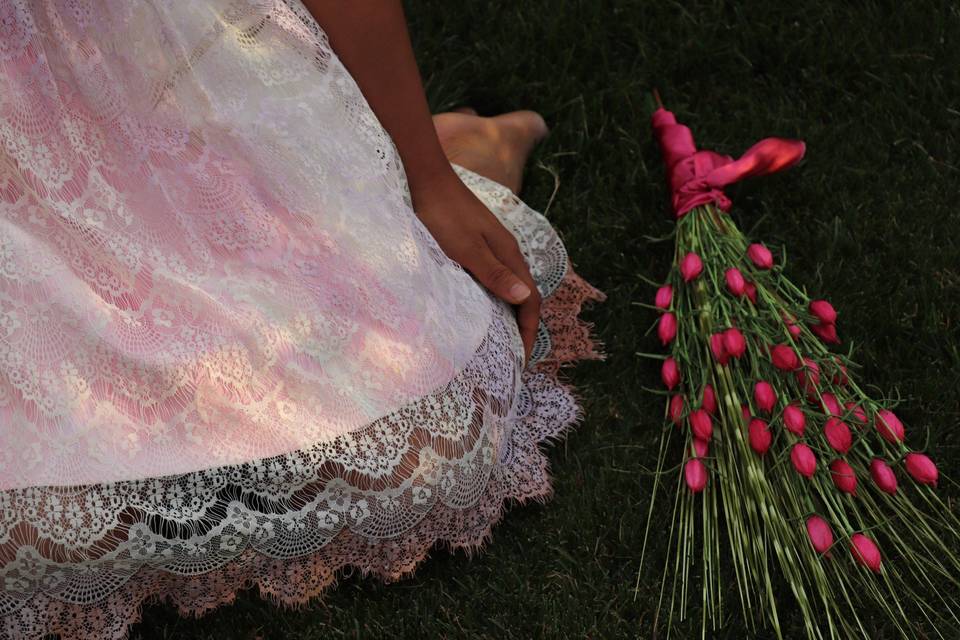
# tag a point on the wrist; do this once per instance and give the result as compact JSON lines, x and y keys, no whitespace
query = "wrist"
{"x":437,"y":182}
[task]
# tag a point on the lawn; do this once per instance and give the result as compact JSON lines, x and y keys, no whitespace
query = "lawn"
{"x":871,"y":220}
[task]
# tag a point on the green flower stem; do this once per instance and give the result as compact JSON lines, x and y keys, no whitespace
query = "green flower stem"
{"x":762,"y":501}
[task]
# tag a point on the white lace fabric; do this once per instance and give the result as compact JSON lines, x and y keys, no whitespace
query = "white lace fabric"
{"x":229,"y":351}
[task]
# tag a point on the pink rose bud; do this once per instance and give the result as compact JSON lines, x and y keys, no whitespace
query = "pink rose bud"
{"x":734,"y":343}
{"x":691,"y":266}
{"x":735,"y":282}
{"x":792,"y":327}
{"x":719,"y":351}
{"x":821,"y":535}
{"x":803,"y":460}
{"x":745,"y":412}
{"x":823,"y":311}
{"x":843,"y":476}
{"x":889,"y":426}
{"x":883,"y":476}
{"x":664,"y":297}
{"x":676,"y":409}
{"x":830,"y":405}
{"x":857,"y":412}
{"x":865,"y":551}
{"x":670,"y":373}
{"x":840,"y":378}
{"x":701,"y":424}
{"x":838,"y":435}
{"x":700,"y":447}
{"x":695,"y":475}
{"x":667,"y":328}
{"x":709,"y":400}
{"x":826,"y":332}
{"x":760,"y":437}
{"x":794,"y":420}
{"x":752,"y":292}
{"x":765,"y":396}
{"x":922,"y":468}
{"x":760,"y":256}
{"x":784,"y":358}
{"x":809,"y":377}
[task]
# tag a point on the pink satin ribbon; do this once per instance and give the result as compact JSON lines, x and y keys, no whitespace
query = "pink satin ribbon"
{"x":698,"y":177}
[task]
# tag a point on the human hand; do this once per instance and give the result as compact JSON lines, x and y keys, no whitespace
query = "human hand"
{"x":472,"y":236}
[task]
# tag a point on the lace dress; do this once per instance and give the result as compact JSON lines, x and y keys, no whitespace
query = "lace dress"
{"x":230,"y":354}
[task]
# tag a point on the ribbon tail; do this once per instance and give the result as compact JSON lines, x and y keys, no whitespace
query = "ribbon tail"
{"x":765,"y":157}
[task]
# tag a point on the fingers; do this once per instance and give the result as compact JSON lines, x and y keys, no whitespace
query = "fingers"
{"x":528,"y":320}
{"x":499,"y":278}
{"x":505,"y":248}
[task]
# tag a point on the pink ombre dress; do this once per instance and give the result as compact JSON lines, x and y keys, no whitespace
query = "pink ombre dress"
{"x":229,"y":351}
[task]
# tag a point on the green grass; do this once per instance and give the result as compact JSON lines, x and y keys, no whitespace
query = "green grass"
{"x":870,"y":220}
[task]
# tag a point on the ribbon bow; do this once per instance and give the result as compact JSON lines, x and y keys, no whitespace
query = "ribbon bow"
{"x":698,"y":177}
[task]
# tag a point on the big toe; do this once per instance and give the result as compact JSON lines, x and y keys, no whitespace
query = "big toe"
{"x":528,"y":125}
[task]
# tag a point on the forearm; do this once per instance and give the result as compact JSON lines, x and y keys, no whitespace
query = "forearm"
{"x":370,"y":37}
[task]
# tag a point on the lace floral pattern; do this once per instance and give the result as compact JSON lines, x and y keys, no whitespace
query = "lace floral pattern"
{"x":181,"y":263}
{"x":230,"y":354}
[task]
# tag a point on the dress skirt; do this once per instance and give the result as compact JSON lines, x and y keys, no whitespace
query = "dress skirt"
{"x":230,"y":353}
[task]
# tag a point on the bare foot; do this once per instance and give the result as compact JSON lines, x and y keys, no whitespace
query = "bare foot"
{"x":496,"y":148}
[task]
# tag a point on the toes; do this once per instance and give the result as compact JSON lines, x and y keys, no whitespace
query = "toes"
{"x":528,"y":125}
{"x":536,"y":124}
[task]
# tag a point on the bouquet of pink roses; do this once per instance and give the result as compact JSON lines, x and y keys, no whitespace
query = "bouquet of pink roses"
{"x":787,"y":468}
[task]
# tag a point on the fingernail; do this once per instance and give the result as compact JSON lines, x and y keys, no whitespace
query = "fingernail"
{"x":519,"y":291}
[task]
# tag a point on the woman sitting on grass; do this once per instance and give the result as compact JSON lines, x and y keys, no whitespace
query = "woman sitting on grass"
{"x":263,"y":318}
